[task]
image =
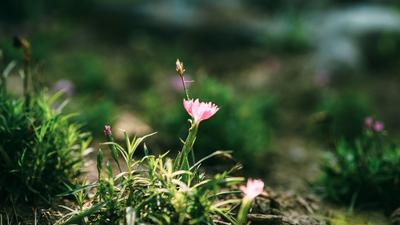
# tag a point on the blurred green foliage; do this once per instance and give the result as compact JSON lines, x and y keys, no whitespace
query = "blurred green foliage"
{"x":14,"y":11}
{"x":381,"y":50}
{"x":46,"y":42}
{"x":87,"y":72}
{"x":289,"y":37}
{"x":340,"y":116}
{"x":363,"y":172}
{"x":93,"y":118}
{"x":41,"y":150}
{"x":243,"y":123}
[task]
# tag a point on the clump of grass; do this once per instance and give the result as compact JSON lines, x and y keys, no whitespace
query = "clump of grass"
{"x":41,"y":150}
{"x":365,"y":171}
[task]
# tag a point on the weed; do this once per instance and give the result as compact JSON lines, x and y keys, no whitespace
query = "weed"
{"x":365,"y":171}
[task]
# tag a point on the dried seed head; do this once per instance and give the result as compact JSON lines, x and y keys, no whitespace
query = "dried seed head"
{"x":180,"y":69}
{"x":20,"y":42}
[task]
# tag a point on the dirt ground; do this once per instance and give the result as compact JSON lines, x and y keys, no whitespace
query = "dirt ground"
{"x":293,"y":167}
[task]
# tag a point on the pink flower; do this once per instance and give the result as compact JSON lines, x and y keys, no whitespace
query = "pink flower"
{"x":253,"y":188}
{"x":200,"y":111}
{"x":378,"y":126}
{"x":368,"y":122}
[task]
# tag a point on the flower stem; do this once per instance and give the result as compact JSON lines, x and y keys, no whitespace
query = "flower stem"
{"x":188,"y":146}
{"x":22,"y":43}
{"x":2,"y":78}
{"x":243,"y":211}
{"x":114,"y":151}
{"x":184,"y":87}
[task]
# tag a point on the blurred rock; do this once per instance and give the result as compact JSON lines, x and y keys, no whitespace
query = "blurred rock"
{"x":14,"y":85}
{"x":132,"y":124}
{"x":340,"y":32}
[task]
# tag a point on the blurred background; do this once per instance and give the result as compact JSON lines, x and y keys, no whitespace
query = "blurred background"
{"x":291,"y":77}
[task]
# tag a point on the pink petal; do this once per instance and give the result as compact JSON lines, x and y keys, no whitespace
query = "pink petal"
{"x":188,"y":104}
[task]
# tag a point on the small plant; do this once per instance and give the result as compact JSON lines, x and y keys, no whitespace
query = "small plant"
{"x":160,"y":190}
{"x":154,"y":191}
{"x":365,"y":171}
{"x":40,"y":149}
{"x":243,"y":123}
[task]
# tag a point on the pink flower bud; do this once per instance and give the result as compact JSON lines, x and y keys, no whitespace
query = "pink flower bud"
{"x":107,"y":131}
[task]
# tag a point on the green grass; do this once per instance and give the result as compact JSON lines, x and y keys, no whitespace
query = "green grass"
{"x":153,"y":191}
{"x":41,"y":150}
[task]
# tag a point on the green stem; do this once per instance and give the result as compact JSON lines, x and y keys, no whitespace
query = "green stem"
{"x":2,"y":78}
{"x":27,"y":77}
{"x":184,"y":86}
{"x":243,"y":211}
{"x":129,"y":155}
{"x":193,"y":157}
{"x":4,"y":84}
{"x":129,"y":165}
{"x":114,"y":151}
{"x":77,"y":219}
{"x":188,"y":146}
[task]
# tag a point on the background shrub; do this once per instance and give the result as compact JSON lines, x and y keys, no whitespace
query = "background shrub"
{"x":364,"y":172}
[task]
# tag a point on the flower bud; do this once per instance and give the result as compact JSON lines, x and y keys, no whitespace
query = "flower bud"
{"x":107,"y":131}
